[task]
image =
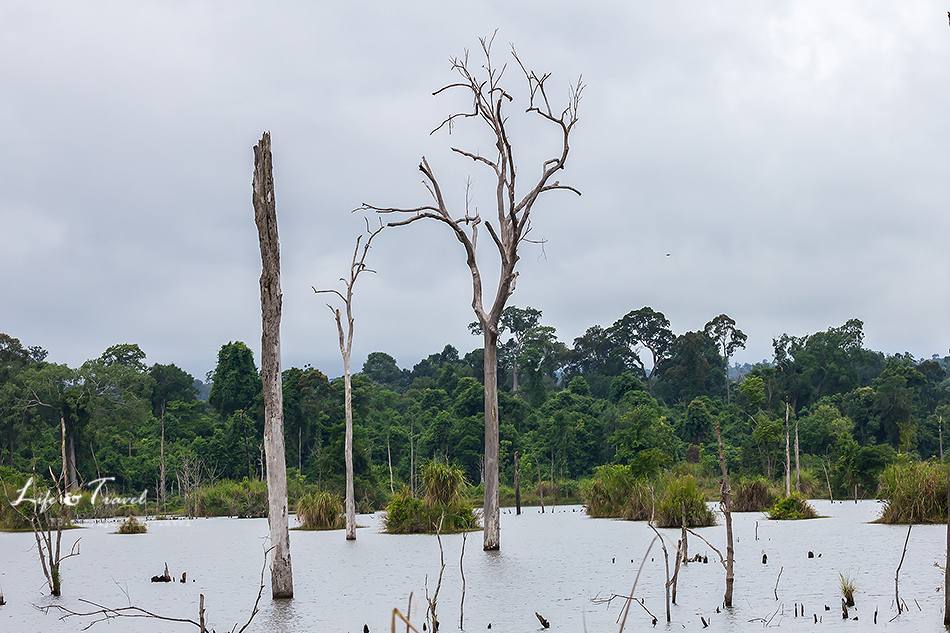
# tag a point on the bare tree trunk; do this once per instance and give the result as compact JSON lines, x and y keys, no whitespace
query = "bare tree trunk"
{"x":265,"y":216}
{"x":941,"y":438}
{"x":946,"y":569}
{"x":798,"y":471}
{"x":490,"y":512}
{"x":507,"y":232}
{"x":727,"y":513}
{"x":517,"y":484}
{"x":514,"y":376}
{"x":161,"y":461}
{"x":389,"y":458}
{"x":831,"y":494}
{"x":348,"y":450}
{"x":73,"y":481}
{"x":788,"y":462}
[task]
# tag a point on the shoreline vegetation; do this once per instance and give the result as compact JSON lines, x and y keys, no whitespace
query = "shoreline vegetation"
{"x":913,"y":492}
{"x":582,"y":423}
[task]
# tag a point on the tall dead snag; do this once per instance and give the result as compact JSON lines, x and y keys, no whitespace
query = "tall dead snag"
{"x":265,"y":215}
{"x":727,"y":514}
{"x":518,"y":485}
{"x":513,"y":204}
{"x":798,"y":470}
{"x":946,"y":568}
{"x":788,"y":460}
{"x":357,"y":266}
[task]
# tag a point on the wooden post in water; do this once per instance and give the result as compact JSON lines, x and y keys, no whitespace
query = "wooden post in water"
{"x":265,"y":216}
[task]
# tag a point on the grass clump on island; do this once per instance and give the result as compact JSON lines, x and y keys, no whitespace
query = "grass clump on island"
{"x":442,"y":504}
{"x":244,"y":499}
{"x":914,"y":492}
{"x":615,"y":492}
{"x":794,"y":507}
{"x":752,"y":494}
{"x":132,"y":526}
{"x":320,"y":510}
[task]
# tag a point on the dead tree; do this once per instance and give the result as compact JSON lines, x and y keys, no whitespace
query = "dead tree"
{"x":788,"y":461}
{"x":666,"y":560}
{"x":48,"y":523}
{"x":265,"y":216}
{"x":897,"y":574}
{"x":798,"y":470}
{"x":727,"y":514}
{"x":357,"y":266}
{"x":517,"y":484}
{"x":514,"y":205}
{"x":946,"y":568}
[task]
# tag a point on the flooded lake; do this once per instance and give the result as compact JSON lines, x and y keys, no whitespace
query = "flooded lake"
{"x":550,"y":563}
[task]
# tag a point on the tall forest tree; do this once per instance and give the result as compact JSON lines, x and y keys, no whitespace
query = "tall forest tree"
{"x":644,"y":329}
{"x":728,"y":338}
{"x":265,"y":216}
{"x":345,"y":334}
{"x":513,"y":203}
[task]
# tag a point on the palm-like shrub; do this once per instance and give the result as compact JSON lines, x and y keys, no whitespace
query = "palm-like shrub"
{"x":442,"y":482}
{"x":442,"y":507}
{"x":320,"y":510}
{"x":681,"y":502}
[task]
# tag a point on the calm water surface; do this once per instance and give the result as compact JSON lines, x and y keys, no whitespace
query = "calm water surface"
{"x":551,"y":563}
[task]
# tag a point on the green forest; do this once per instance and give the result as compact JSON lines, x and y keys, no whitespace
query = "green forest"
{"x":633,"y":393}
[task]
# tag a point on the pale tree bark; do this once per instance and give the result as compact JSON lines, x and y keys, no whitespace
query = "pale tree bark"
{"x":161,"y":462}
{"x":727,"y":514}
{"x":788,"y":462}
{"x":345,"y":336}
{"x":513,"y":205}
{"x":517,"y":483}
{"x":798,"y":470}
{"x":946,"y":568}
{"x":265,"y":216}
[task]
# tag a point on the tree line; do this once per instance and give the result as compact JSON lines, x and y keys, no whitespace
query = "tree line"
{"x":631,"y":393}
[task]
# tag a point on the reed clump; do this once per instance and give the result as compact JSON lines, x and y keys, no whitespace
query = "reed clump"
{"x":792,"y":508}
{"x":320,"y":510}
{"x":441,"y":507}
{"x":614,"y":492}
{"x":848,"y":587}
{"x":914,"y":492}
{"x":752,"y":494}
{"x":681,"y":502}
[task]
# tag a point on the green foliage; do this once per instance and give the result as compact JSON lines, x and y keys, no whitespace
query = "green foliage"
{"x":752,"y":494}
{"x":442,"y":483}
{"x":11,"y":482}
{"x":914,"y":492}
{"x":132,"y":526}
{"x":320,"y":510}
{"x":408,"y":514}
{"x":243,"y":499}
{"x":681,"y":502}
{"x":615,"y":492}
{"x":575,"y":408}
{"x":792,"y":508}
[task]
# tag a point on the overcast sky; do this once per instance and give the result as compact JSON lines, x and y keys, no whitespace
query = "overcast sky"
{"x":792,"y":157}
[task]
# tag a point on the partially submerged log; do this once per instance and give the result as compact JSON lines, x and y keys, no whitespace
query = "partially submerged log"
{"x":544,"y":623}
